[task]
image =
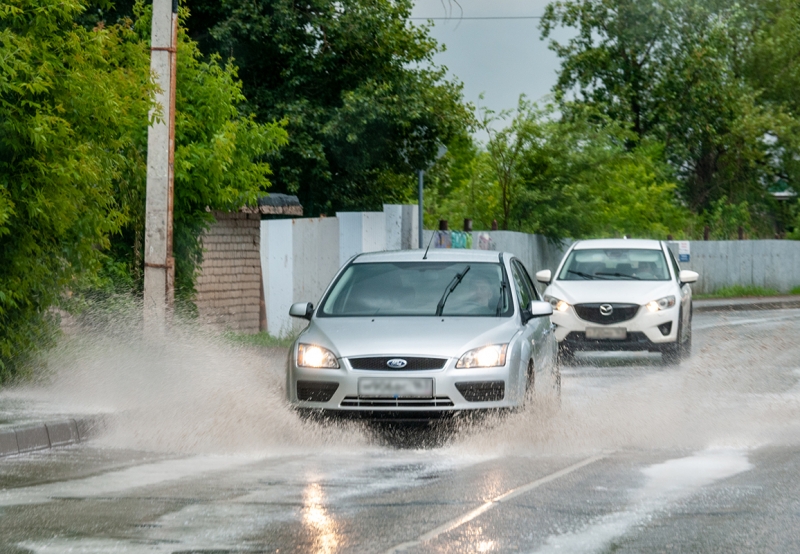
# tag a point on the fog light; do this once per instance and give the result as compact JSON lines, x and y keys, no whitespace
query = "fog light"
{"x":665,"y":328}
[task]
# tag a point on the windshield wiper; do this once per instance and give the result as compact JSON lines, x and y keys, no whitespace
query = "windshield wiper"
{"x":581,"y":274}
{"x":620,"y":275}
{"x":451,"y":286}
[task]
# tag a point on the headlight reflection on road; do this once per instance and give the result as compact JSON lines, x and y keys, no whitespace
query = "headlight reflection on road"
{"x":316,"y":518}
{"x":477,"y":542}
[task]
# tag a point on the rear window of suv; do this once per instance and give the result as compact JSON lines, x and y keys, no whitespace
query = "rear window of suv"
{"x":621,"y":264}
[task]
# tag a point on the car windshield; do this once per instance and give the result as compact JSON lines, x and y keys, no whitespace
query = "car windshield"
{"x":615,"y":264}
{"x":419,"y":289}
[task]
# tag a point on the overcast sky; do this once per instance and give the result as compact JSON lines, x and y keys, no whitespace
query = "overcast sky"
{"x":501,"y":58}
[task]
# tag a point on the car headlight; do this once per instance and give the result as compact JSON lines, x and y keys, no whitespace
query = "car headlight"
{"x":493,"y":355}
{"x":660,"y":304}
{"x":311,"y":355}
{"x":558,"y":305}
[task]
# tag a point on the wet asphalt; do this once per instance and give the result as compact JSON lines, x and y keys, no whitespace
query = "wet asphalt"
{"x":637,"y":457}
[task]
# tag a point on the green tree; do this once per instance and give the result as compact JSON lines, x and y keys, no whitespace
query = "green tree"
{"x":220,"y":161}
{"x":365,"y":105}
{"x":673,"y":70}
{"x":73,"y":137}
{"x":71,"y":108}
{"x":574,"y":177}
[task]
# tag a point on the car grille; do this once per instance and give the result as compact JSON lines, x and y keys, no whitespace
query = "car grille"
{"x":591,"y":312}
{"x":358,"y":402}
{"x":412,"y":363}
{"x":316,"y":391}
{"x":482,"y":391}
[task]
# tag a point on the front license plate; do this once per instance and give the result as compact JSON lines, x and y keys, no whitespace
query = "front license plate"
{"x":613,"y":333}
{"x":395,"y":388}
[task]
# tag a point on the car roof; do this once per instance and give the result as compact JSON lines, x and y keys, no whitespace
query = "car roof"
{"x":434,"y":255}
{"x":643,"y":244}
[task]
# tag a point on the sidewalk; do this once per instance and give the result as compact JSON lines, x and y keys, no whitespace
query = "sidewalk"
{"x":752,"y":303}
{"x":25,"y":427}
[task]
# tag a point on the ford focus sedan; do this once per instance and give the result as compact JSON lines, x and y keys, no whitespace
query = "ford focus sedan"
{"x":621,"y":294}
{"x":407,"y":335}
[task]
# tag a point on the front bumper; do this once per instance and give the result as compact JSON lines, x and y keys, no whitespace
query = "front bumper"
{"x":645,"y":331}
{"x":454,"y":390}
{"x":576,"y":341}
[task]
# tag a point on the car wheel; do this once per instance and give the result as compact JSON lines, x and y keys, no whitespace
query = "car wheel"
{"x":530,"y":379}
{"x":672,"y":353}
{"x":686,"y":349}
{"x":565,"y":356}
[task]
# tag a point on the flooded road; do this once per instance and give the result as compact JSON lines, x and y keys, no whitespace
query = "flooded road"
{"x":201,"y":455}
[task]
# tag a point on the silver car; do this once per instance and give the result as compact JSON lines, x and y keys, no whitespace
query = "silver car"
{"x":406,"y":335}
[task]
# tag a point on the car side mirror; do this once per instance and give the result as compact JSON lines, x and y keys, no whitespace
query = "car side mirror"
{"x":544,"y":276}
{"x":302,"y":309}
{"x":687,"y":276}
{"x":536,"y":308}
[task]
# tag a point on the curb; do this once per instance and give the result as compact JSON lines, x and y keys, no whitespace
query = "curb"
{"x":41,"y":436}
{"x":743,"y":304}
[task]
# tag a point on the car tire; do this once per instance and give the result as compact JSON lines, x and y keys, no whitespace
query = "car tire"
{"x":530,"y":379}
{"x":565,"y":356}
{"x":672,"y":353}
{"x":686,"y":349}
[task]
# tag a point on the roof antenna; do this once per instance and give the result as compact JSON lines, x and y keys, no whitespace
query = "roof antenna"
{"x":425,"y":257}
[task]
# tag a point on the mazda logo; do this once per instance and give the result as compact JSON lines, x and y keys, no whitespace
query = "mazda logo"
{"x":397,"y":363}
{"x":606,"y":310}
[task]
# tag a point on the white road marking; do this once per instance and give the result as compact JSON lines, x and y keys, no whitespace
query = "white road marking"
{"x":744,"y":322}
{"x":513,"y":493}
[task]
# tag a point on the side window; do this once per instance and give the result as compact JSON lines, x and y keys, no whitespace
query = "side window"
{"x":531,"y":286}
{"x":523,"y":292}
{"x":675,"y":265}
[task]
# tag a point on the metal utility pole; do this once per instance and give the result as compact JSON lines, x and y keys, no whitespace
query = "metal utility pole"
{"x":159,"y":265}
{"x":419,"y":223}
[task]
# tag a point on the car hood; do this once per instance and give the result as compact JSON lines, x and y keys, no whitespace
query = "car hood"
{"x":421,"y":336}
{"x":626,"y":292}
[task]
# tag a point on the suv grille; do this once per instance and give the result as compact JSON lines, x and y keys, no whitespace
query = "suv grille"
{"x":412,"y":363}
{"x":621,"y":312}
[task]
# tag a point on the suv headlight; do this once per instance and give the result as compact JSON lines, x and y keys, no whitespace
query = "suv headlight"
{"x":558,"y":305}
{"x":311,"y":355}
{"x":660,"y":304}
{"x":493,"y":355}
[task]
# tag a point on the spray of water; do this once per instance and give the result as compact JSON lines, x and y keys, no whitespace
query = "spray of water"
{"x":195,"y":392}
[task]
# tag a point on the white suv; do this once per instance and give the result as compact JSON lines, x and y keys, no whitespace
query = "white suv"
{"x":621,"y":294}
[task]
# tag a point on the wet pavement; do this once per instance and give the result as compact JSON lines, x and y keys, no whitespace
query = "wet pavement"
{"x":639,"y":457}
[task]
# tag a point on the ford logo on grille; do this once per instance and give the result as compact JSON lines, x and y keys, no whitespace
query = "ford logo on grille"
{"x":397,"y":363}
{"x":606,"y":310}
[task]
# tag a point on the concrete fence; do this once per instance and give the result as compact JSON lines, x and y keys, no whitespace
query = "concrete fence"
{"x":299,"y":257}
{"x":772,"y":264}
{"x":255,"y":269}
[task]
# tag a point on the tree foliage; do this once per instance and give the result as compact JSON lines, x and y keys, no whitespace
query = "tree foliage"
{"x":676,"y":71}
{"x":75,"y":101}
{"x":571,"y":177}
{"x":71,"y":109}
{"x":364,"y":103}
{"x":220,"y":157}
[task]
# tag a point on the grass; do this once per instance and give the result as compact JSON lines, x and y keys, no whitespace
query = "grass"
{"x":263,"y":339}
{"x":739,"y":291}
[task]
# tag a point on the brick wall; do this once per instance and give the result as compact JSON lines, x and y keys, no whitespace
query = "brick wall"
{"x":229,"y":292}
